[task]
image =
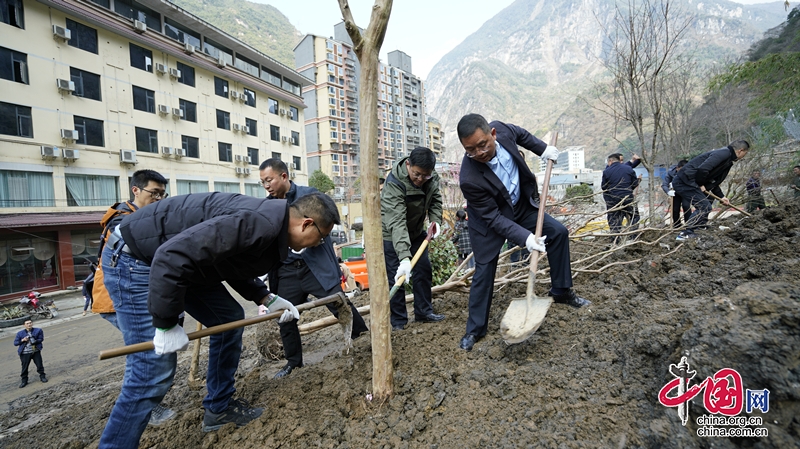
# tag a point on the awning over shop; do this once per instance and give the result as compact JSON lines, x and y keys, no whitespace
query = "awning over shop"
{"x":16,"y":221}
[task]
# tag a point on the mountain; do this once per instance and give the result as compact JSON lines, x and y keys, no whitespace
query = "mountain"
{"x":261,"y":26}
{"x":532,"y":64}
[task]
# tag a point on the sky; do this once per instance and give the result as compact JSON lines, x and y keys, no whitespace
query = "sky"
{"x":426,"y":30}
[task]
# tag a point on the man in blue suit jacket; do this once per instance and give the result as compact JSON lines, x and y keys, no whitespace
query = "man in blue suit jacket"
{"x":502,"y":203}
{"x":29,"y":347}
{"x":315,"y":271}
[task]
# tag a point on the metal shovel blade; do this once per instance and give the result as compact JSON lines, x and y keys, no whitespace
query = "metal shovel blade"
{"x":346,"y":322}
{"x":523,"y":317}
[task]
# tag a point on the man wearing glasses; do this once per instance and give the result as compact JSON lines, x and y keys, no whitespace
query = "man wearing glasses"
{"x":315,"y":271}
{"x":502,"y":203}
{"x":409,"y":196}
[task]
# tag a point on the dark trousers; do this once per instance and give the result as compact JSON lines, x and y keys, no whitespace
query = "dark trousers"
{"x":755,"y":202}
{"x":296,"y":282}
{"x":421,"y":277}
{"x":696,"y":199}
{"x":630,"y":211}
{"x":678,"y":204}
{"x":36,"y":356}
{"x":557,"y":244}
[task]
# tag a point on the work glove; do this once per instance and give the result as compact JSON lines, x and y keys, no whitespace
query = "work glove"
{"x":275,"y":303}
{"x":435,"y":230}
{"x":167,"y":341}
{"x":403,"y":270}
{"x":671,"y":193}
{"x":535,"y":244}
{"x":550,"y":153}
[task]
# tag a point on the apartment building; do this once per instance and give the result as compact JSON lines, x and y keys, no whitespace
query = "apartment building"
{"x":91,"y":91}
{"x":435,"y":136}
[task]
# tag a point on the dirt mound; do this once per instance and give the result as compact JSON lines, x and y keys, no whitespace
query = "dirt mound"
{"x":588,"y":378}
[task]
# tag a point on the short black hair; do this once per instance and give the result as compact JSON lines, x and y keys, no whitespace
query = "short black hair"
{"x":423,"y":158}
{"x":471,"y":123}
{"x":740,"y":145}
{"x":461,"y":215}
{"x":796,"y":166}
{"x":141,"y":178}
{"x":381,"y":180}
{"x":275,"y":164}
{"x":682,"y":162}
{"x":319,"y":207}
{"x":615,"y":156}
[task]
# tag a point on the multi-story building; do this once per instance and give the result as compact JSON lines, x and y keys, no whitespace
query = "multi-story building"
{"x":570,"y":160}
{"x":435,"y":136}
{"x":91,"y":91}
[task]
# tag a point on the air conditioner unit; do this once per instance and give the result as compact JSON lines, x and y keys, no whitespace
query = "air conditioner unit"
{"x":161,"y":68}
{"x":65,"y":85}
{"x":69,"y":134}
{"x":177,"y":112}
{"x":292,"y":174}
{"x":242,"y":97}
{"x":62,"y":33}
{"x":188,"y":48}
{"x":50,"y":152}
{"x":221,"y":62}
{"x":248,"y":159}
{"x":239,"y":171}
{"x":246,"y":171}
{"x":291,"y":113}
{"x":234,"y":95}
{"x":283,"y":111}
{"x":127,"y":156}
{"x":284,"y":139}
{"x":180,"y":152}
{"x":166,"y":151}
{"x":72,"y":154}
{"x":139,"y":26}
{"x":239,"y":158}
{"x":163,"y":109}
{"x":175,"y":73}
{"x":245,"y":129}
{"x":237,"y":127}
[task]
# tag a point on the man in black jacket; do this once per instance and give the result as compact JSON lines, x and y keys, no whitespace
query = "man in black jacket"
{"x":676,"y":201}
{"x":618,"y":183}
{"x":502,"y":203}
{"x":702,"y":174}
{"x":315,"y":271}
{"x":172,"y":256}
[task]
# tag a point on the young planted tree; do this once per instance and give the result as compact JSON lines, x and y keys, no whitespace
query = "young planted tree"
{"x":367,"y":46}
{"x":321,"y":181}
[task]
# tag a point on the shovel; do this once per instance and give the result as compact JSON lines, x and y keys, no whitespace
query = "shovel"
{"x":414,"y":260}
{"x":524,"y":315}
{"x":708,"y":192}
{"x":343,"y":307}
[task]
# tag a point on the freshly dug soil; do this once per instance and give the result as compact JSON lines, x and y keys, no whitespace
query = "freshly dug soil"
{"x":587,"y":378}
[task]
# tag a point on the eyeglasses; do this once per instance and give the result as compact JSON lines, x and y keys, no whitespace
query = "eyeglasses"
{"x":417,"y":175}
{"x":266,"y":181}
{"x":480,"y":149}
{"x":156,"y":194}
{"x":321,"y":235}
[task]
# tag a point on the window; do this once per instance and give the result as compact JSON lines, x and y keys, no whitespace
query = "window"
{"x":334,"y":135}
{"x":227,"y":187}
{"x":12,"y":13}
{"x":82,"y":37}
{"x":276,"y":155}
{"x":189,"y":110}
{"x":191,"y":145}
{"x":253,"y":153}
{"x":295,"y":113}
{"x":91,"y":190}
{"x":335,"y":168}
{"x":274,"y":133}
{"x":13,"y":65}
{"x":273,"y":105}
{"x":26,"y":189}
{"x":135,"y":11}
{"x":255,"y":190}
{"x":186,"y":187}
{"x":181,"y":33}
{"x":252,"y":126}
{"x":295,"y":138}
{"x":250,"y":97}
{"x":335,"y":157}
{"x":247,"y":65}
{"x":187,"y":74}
{"x":296,"y":163}
{"x":146,"y":140}
{"x":141,"y":58}
{"x":223,"y":120}
{"x":270,"y":76}
{"x":90,"y":131}
{"x":15,"y":120}
{"x":87,"y":84}
{"x":225,"y":152}
{"x":221,"y":87}
{"x":144,"y":99}
{"x":217,"y":51}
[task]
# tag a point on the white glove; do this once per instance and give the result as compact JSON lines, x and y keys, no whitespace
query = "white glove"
{"x":435,"y":231}
{"x":170,"y":340}
{"x":403,"y":270}
{"x":550,"y":153}
{"x":671,"y":193}
{"x":275,"y":303}
{"x":536,"y":245}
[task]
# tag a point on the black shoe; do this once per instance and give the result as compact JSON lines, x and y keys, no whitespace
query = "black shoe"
{"x":238,"y":412}
{"x":429,"y":318}
{"x":23,"y":383}
{"x":285,"y":371}
{"x":43,"y":378}
{"x":571,"y":299}
{"x":399,"y":327}
{"x":467,"y":342}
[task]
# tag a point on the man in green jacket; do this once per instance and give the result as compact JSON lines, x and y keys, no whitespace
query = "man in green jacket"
{"x":410,"y":195}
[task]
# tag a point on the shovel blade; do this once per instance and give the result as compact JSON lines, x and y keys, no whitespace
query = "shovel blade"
{"x":523,"y":317}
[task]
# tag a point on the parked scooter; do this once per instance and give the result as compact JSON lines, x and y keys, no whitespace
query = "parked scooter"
{"x":34,"y":305}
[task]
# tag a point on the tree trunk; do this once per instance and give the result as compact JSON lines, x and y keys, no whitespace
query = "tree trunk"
{"x":367,"y":48}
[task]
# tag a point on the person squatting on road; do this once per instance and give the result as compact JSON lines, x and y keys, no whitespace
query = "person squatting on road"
{"x":502,"y":203}
{"x":410,"y":195}
{"x":677,"y":202}
{"x":172,"y":256}
{"x":29,"y":347}
{"x":705,"y":173}
{"x":315,"y":271}
{"x":618,"y":183}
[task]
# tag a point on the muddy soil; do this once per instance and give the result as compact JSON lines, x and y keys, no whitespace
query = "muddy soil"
{"x":587,"y":378}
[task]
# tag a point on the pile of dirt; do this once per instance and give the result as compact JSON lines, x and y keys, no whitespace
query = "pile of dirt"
{"x":587,"y":378}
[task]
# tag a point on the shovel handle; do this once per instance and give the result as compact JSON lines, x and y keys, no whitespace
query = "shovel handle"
{"x":708,"y":192}
{"x":414,"y":260}
{"x":148,"y":345}
{"x":542,"y":200}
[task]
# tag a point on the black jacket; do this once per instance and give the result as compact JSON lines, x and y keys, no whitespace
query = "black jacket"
{"x":491,"y":214}
{"x":671,"y":174}
{"x":204,"y":239}
{"x":709,"y":170}
{"x":618,"y":182}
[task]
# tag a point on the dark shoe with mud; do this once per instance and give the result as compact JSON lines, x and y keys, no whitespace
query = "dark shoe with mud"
{"x":285,"y":371}
{"x":238,"y":412}
{"x":429,"y":318}
{"x":571,"y":299}
{"x":398,"y":327}
{"x":23,"y":383}
{"x":43,"y":378}
{"x":467,"y":342}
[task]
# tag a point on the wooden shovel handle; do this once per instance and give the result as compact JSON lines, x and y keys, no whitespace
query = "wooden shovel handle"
{"x":148,"y":345}
{"x":708,"y":192}
{"x":540,"y":218}
{"x":414,"y":260}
